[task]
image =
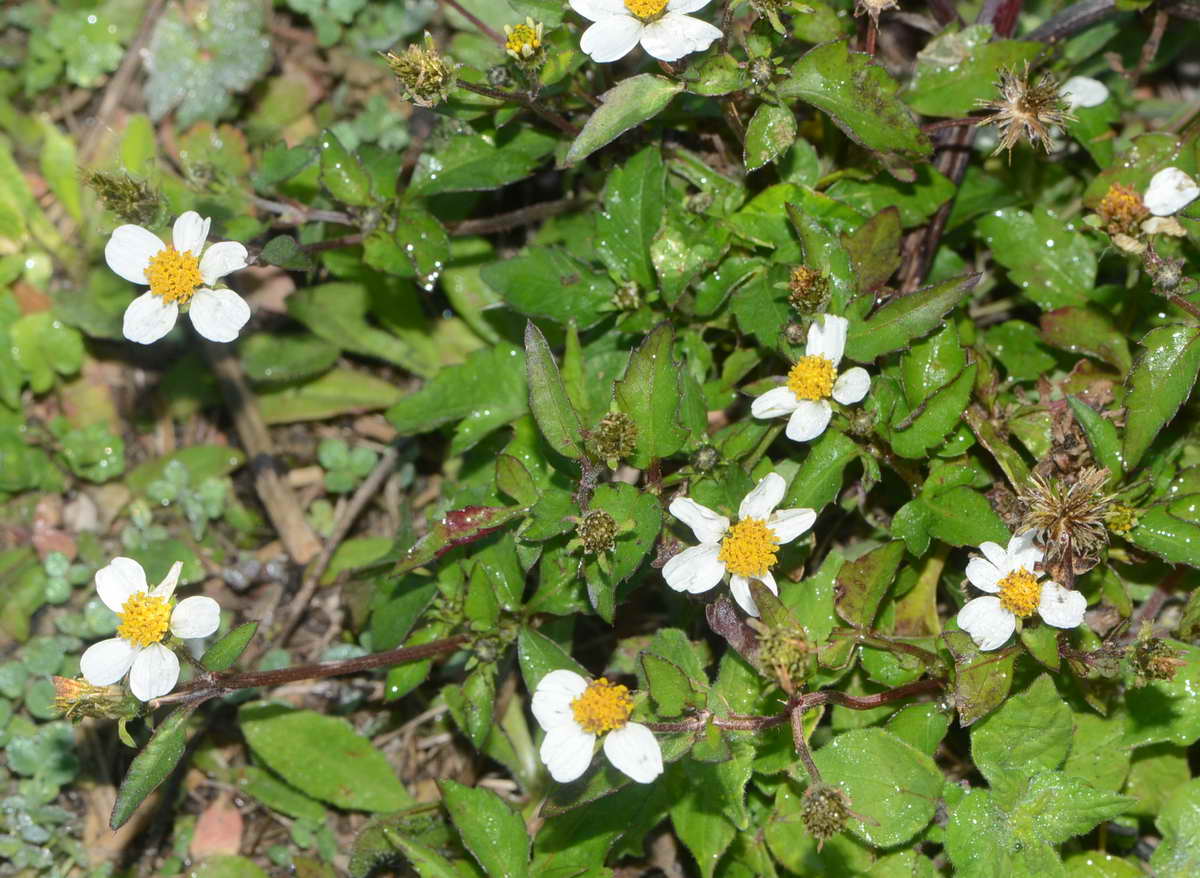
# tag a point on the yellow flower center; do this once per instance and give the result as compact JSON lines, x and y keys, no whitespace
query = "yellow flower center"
{"x":1020,"y":593}
{"x":646,"y":10}
{"x":144,"y":619}
{"x":174,"y":276}
{"x":811,"y":378}
{"x":522,"y":41}
{"x":749,"y":548}
{"x":602,"y":707}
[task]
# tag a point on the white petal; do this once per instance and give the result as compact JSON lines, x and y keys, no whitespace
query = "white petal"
{"x":763,"y":499}
{"x":634,"y":750}
{"x":787,"y":524}
{"x":739,"y":587}
{"x":611,"y":38}
{"x":775,"y":403}
{"x":1083,"y":91}
{"x":154,"y":673}
{"x":218,"y":315}
{"x":594,"y":10}
{"x":809,"y":420}
{"x":1022,"y":552}
{"x":851,"y":386}
{"x":129,"y":251}
{"x":984,"y":575}
{"x":197,"y":616}
{"x":1170,"y":191}
{"x":675,"y":35}
{"x":995,"y":553}
{"x":828,"y":339}
{"x":119,"y":580}
{"x":567,"y":752}
{"x":1061,"y":607}
{"x":106,"y":662}
{"x":708,"y":526}
{"x":695,"y":570}
{"x":685,"y":6}
{"x":148,"y":318}
{"x":166,"y":588}
{"x":988,"y":623}
{"x":190,"y":233}
{"x":222,"y":258}
{"x":551,"y":703}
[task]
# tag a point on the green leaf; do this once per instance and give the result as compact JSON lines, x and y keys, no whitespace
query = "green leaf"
{"x":1178,"y":854}
{"x":862,"y":583}
{"x":278,"y":796}
{"x":670,"y":689}
{"x":1160,"y":381}
{"x":538,"y":655}
{"x":1097,"y":754}
{"x":339,"y":391}
{"x":1166,"y":710}
{"x":1019,"y":347}
{"x":959,"y":68}
{"x":1087,"y":331}
{"x":222,"y":654}
{"x":929,"y":423}
{"x":201,"y":461}
{"x":1056,"y":807}
{"x":471,"y":162}
{"x":859,"y":97}
{"x":905,"y":318}
{"x":493,"y":833}
{"x":627,"y":505}
{"x":341,"y":172}
{"x":634,"y":200}
{"x":1066,"y":263}
{"x":1031,"y":731}
{"x":649,"y":393}
{"x":43,"y":347}
{"x":916,"y":200}
{"x":771,"y":131}
{"x":874,"y":249}
{"x":322,"y":756}
{"x":282,"y":250}
{"x":152,"y":765}
{"x":488,"y":390}
{"x":548,"y":282}
{"x":825,"y":252}
{"x":556,"y":417}
{"x":981,"y":679}
{"x":819,"y":479}
{"x":627,"y":104}
{"x":61,"y":169}
{"x":269,"y":358}
{"x":1101,"y":435}
{"x":1170,"y":530}
{"x":1098,"y":864}
{"x":227,"y":866}
{"x":890,"y":783}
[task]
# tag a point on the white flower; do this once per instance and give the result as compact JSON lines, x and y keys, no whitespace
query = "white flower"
{"x":1008,"y":573}
{"x":146,"y":616}
{"x":1083,"y":91}
{"x":745,"y":551}
{"x":812,"y":381}
{"x":573,"y":712}
{"x":178,"y":276}
{"x":1170,"y":191}
{"x":661,"y":26}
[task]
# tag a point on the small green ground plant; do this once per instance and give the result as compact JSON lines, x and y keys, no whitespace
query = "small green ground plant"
{"x":515,"y":438}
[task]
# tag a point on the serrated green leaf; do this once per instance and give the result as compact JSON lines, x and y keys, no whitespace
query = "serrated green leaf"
{"x":771,"y":131}
{"x":1031,"y":731}
{"x":553,"y":411}
{"x":631,"y":102}
{"x":634,"y":200}
{"x":862,"y":583}
{"x":493,"y":833}
{"x":649,"y":393}
{"x":1066,"y":265}
{"x":1159,"y":382}
{"x":904,"y":319}
{"x":341,"y":172}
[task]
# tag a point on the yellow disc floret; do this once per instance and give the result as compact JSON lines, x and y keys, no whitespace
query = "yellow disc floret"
{"x":1020,"y":593}
{"x":144,"y":619}
{"x":749,"y":548}
{"x":174,"y":276}
{"x":811,"y":378}
{"x":524,"y":40}
{"x":646,"y":10}
{"x":602,"y":707}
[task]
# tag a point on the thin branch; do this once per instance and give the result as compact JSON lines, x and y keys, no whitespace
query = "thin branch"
{"x":801,"y":744}
{"x":475,"y":20}
{"x":298,"y":214}
{"x":524,"y":216}
{"x":526,"y":101}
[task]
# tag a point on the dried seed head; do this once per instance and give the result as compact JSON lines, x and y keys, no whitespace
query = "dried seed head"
{"x":1122,"y":210}
{"x":825,"y":811}
{"x":808,"y":290}
{"x":786,"y":652}
{"x":425,"y":77}
{"x":1152,"y":658}
{"x":597,"y":531}
{"x":614,"y":437}
{"x":1069,"y":513}
{"x":1025,"y":109}
{"x":874,"y":8}
{"x":76,"y":699}
{"x":132,"y":200}
{"x":706,"y":459}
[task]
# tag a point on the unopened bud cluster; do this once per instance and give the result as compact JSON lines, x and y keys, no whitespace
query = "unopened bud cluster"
{"x":132,"y":200}
{"x":808,"y":290}
{"x":614,"y":437}
{"x":597,"y":531}
{"x":825,"y":811}
{"x":425,"y":77}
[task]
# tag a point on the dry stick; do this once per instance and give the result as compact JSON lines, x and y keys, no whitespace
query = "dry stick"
{"x":115,"y":90}
{"x":502,"y":222}
{"x":281,"y":504}
{"x":298,"y":214}
{"x":801,"y":743}
{"x":312,"y":577}
{"x":525,"y":101}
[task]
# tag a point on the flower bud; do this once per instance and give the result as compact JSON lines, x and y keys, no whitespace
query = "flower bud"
{"x":597,"y":531}
{"x":132,"y":200}
{"x":614,"y":437}
{"x":706,"y":459}
{"x":826,"y":810}
{"x":808,"y":290}
{"x":524,"y":44}
{"x":425,"y":77}
{"x":75,"y":699}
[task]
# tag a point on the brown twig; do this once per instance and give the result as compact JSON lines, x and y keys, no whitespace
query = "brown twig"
{"x":312,"y":577}
{"x":524,"y":216}
{"x":117,"y":86}
{"x":529,"y":103}
{"x":470,"y":16}
{"x":801,"y":743}
{"x":281,"y":504}
{"x":298,"y":214}
{"x":334,"y":243}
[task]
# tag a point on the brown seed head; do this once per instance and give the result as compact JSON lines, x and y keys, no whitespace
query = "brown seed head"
{"x":1025,"y":109}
